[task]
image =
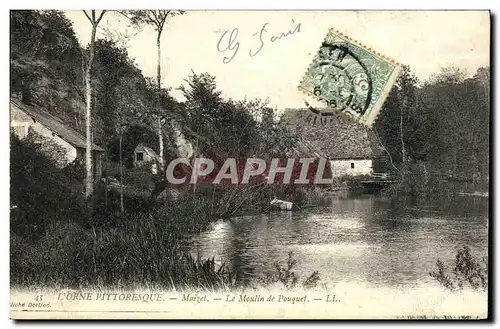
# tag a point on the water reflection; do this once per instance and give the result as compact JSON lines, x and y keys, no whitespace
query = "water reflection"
{"x":367,"y":239}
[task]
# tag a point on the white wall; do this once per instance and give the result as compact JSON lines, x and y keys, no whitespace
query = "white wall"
{"x":20,"y":119}
{"x":146,"y":158}
{"x":343,"y":167}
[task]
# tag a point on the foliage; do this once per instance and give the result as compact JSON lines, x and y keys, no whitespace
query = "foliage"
{"x":459,"y":110}
{"x":468,"y":271}
{"x":40,"y":192}
{"x":142,"y":252}
{"x":287,"y":277}
{"x":353,"y":183}
{"x":312,"y":280}
{"x":437,"y":132}
{"x":226,"y":128}
{"x":46,"y":63}
{"x":48,"y":147}
{"x":47,"y":68}
{"x":111,"y":69}
{"x":154,"y":18}
{"x":399,"y":105}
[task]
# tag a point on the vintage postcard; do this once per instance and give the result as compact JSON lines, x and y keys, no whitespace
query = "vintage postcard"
{"x":173,"y":164}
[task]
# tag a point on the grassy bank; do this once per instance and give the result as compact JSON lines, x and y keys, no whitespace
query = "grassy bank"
{"x":92,"y":244}
{"x":421,"y":185}
{"x":134,"y":249}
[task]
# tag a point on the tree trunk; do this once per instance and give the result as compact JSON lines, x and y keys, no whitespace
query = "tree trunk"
{"x":121,"y":176}
{"x":160,"y":139}
{"x":158,"y":81}
{"x":403,"y":149}
{"x":89,"y":186}
{"x":88,"y":131}
{"x":194,"y":157}
{"x":381,"y":144}
{"x":158,"y":95}
{"x":106,"y":192}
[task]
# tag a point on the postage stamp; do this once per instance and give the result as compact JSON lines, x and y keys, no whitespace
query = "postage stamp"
{"x":350,"y":78}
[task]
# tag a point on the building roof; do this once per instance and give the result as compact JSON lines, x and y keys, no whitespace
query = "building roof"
{"x":143,"y":148}
{"x":54,"y":124}
{"x":335,"y":139}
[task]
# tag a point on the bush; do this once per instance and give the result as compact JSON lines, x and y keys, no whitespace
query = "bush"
{"x":468,"y":271}
{"x":40,"y":191}
{"x":354,"y":182}
{"x":110,"y":169}
{"x":417,"y":182}
{"x":139,"y":178}
{"x":287,"y":277}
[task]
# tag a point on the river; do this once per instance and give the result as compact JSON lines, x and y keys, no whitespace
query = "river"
{"x":365,"y":239}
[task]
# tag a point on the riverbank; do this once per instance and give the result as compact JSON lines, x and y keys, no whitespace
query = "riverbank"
{"x":144,"y":245}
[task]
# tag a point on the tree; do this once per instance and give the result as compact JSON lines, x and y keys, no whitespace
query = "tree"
{"x":455,"y":115}
{"x":130,"y":110}
{"x":111,"y":65}
{"x":156,"y":19}
{"x":392,"y":125}
{"x":440,"y":137}
{"x":123,"y":97}
{"x":94,"y":21}
{"x":228,"y":128}
{"x":46,"y":63}
{"x":407,"y":85}
{"x":222,"y":128}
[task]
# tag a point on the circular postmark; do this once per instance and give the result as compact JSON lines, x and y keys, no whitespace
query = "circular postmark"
{"x":324,"y":116}
{"x":341,"y":80}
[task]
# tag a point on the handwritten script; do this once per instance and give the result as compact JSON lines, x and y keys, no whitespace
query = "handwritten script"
{"x":230,"y":45}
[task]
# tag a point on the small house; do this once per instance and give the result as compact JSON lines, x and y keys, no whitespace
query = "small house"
{"x":144,"y":155}
{"x":350,"y":147}
{"x":25,"y":118}
{"x":351,"y":166}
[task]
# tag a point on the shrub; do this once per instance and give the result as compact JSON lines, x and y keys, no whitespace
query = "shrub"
{"x":287,"y":277}
{"x":468,"y":271}
{"x":354,"y":182}
{"x":40,"y":191}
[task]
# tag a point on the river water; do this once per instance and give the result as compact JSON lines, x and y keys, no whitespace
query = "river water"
{"x":366,"y":239}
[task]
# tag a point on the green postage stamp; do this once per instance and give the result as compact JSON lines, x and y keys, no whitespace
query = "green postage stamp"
{"x":349,"y":78}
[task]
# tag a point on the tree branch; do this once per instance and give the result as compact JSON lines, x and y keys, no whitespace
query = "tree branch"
{"x":384,"y":148}
{"x":90,"y":19}
{"x":100,"y":17}
{"x":124,"y":13}
{"x":164,"y":19}
{"x":156,"y":18}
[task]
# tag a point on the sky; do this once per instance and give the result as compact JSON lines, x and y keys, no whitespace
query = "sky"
{"x":425,"y":40}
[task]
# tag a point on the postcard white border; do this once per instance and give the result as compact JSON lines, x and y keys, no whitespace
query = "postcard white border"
{"x":216,"y":4}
